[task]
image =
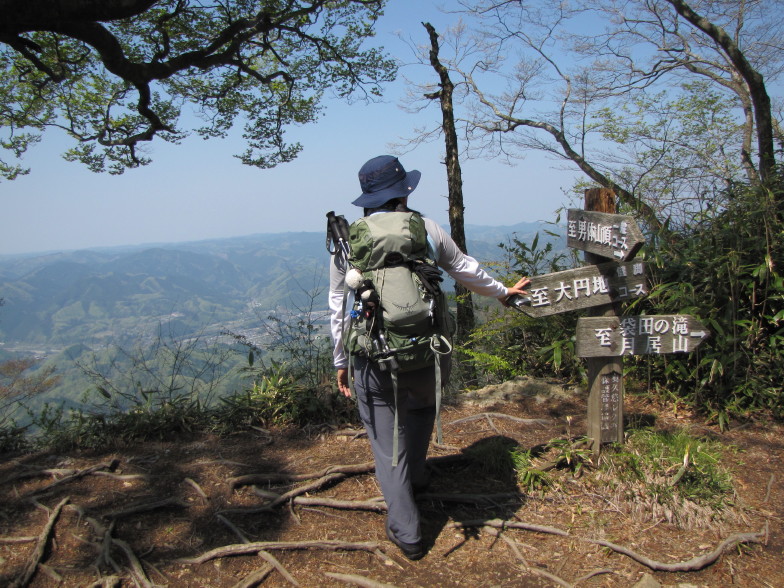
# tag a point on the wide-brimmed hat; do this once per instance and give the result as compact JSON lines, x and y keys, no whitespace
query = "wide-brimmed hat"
{"x":384,"y":178}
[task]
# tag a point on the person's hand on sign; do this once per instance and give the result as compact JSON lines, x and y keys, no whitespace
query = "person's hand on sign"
{"x":516,"y":289}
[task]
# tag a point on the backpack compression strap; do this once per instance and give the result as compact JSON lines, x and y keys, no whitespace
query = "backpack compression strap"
{"x":345,"y":340}
{"x":435,"y":343}
{"x":395,"y":431}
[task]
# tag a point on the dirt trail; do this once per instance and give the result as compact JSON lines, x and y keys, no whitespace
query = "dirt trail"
{"x":136,"y":514}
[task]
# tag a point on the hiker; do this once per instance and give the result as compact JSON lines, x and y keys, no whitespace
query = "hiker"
{"x":386,"y":187}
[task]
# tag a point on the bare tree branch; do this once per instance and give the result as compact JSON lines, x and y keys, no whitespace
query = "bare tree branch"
{"x":754,"y":80}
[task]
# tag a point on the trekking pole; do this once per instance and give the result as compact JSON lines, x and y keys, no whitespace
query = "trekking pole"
{"x":337,"y":237}
{"x":337,"y":233}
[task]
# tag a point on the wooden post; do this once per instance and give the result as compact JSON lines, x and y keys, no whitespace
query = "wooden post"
{"x":605,"y":374}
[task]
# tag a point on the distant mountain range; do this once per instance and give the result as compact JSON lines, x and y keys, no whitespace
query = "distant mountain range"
{"x":109,"y":296}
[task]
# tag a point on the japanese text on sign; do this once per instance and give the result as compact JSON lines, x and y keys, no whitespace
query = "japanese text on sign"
{"x":610,"y":396}
{"x":615,"y":236}
{"x":648,"y":331}
{"x":638,"y":335}
{"x":586,"y":287}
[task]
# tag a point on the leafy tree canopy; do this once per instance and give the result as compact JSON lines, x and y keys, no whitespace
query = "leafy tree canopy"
{"x":117,"y":73}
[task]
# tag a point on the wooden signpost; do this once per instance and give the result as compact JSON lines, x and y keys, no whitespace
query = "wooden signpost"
{"x":615,"y":236}
{"x":610,"y":242}
{"x":585,"y":287}
{"x":638,"y":335}
{"x":605,"y":374}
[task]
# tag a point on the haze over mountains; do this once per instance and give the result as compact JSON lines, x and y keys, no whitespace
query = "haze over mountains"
{"x":103,"y":316}
{"x":92,"y":296}
{"x":108,"y":296}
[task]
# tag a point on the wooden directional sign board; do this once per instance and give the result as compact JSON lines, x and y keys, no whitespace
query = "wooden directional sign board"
{"x":615,"y":236}
{"x":592,"y":285}
{"x":612,"y":336}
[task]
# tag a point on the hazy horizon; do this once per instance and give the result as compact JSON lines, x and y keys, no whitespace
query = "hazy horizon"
{"x":198,"y":190}
{"x":146,"y":244}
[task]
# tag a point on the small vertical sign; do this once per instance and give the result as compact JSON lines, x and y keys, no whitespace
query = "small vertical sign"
{"x":611,"y":413}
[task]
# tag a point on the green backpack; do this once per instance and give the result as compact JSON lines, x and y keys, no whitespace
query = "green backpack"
{"x":401,"y":318}
{"x":406,"y":324}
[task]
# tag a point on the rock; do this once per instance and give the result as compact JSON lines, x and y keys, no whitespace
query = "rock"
{"x":515,"y":389}
{"x":647,"y":581}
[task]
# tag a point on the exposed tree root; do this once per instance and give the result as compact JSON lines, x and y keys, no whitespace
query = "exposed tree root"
{"x":255,"y":578}
{"x":37,"y":473}
{"x":198,"y":489}
{"x":137,"y":571}
{"x":106,"y":582}
{"x":104,"y":558}
{"x":333,"y":474}
{"x":121,"y":477}
{"x":111,"y":466}
{"x":552,"y":577}
{"x":106,"y":541}
{"x":305,"y":488}
{"x":246,"y":548}
{"x":692,"y":565}
{"x":282,"y":498}
{"x":272,"y":560}
{"x":45,"y":569}
{"x":353,"y":433}
{"x":40,"y":548}
{"x":284,"y":478}
{"x":770,"y":485}
{"x":545,"y":573}
{"x":240,"y":535}
{"x":12,"y":540}
{"x":327,"y":475}
{"x":499,"y":415}
{"x":371,"y":505}
{"x":146,"y":507}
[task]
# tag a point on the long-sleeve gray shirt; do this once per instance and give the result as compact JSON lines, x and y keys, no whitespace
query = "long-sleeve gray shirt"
{"x":461,"y":267}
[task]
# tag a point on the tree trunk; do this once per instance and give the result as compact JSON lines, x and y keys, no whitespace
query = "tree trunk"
{"x":759,"y":94}
{"x":465,"y":307}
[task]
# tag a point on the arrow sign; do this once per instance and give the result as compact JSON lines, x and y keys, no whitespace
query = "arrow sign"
{"x":584,"y":287}
{"x":615,"y":236}
{"x":610,"y":336}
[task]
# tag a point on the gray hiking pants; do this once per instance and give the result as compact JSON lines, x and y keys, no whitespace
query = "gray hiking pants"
{"x":416,"y":415}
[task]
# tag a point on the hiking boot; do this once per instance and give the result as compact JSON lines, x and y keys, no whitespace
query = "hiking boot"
{"x":412,"y":551}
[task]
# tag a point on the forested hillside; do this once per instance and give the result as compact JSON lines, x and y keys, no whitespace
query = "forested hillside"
{"x":76,"y":309}
{"x":99,"y":297}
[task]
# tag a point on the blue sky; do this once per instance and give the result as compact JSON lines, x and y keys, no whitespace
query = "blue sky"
{"x":198,"y":190}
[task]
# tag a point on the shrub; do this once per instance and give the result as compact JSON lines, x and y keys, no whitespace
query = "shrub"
{"x":13,"y":438}
{"x":724,"y":270}
{"x":275,"y":398}
{"x":508,"y":343}
{"x":672,"y":475}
